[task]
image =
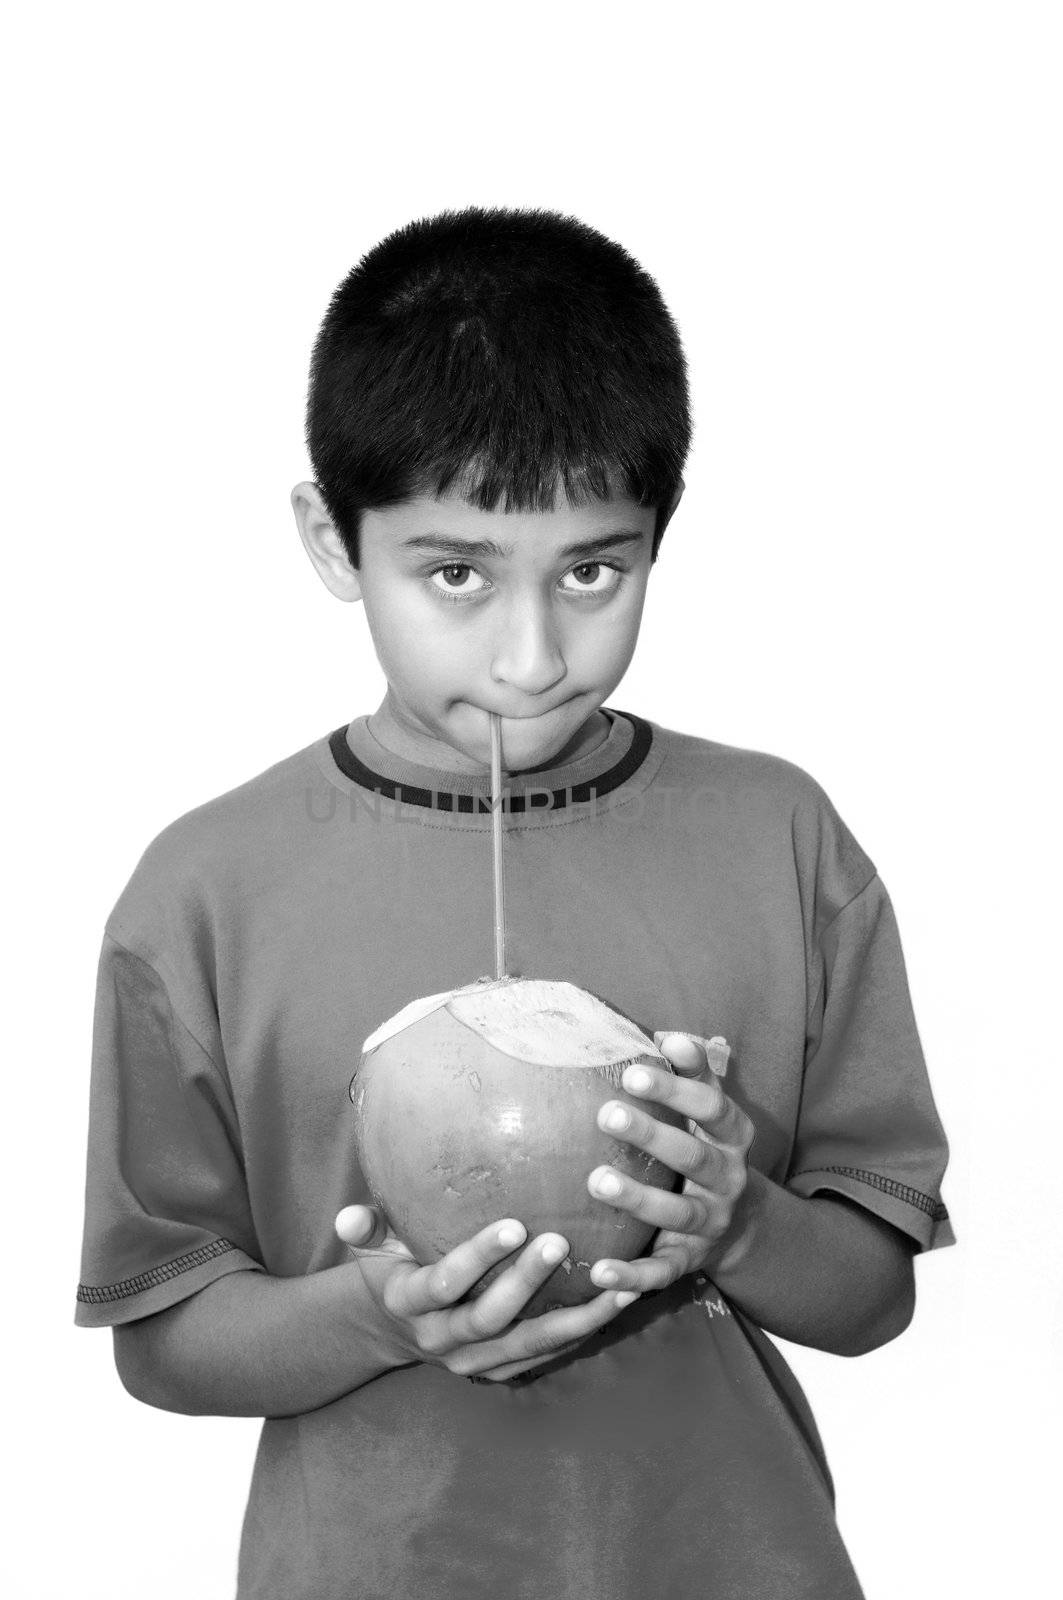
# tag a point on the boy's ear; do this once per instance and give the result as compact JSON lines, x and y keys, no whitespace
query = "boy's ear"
{"x":323,"y":544}
{"x":664,"y":517}
{"x":668,"y":512}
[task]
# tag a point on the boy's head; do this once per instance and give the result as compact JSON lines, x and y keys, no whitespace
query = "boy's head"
{"x":497,"y":417}
{"x":518,"y":356}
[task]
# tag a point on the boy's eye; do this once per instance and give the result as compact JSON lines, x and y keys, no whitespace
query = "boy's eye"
{"x":588,"y":577}
{"x":452,"y":575}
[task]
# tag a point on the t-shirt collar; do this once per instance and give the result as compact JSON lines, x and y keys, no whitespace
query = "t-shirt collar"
{"x":363,"y":759}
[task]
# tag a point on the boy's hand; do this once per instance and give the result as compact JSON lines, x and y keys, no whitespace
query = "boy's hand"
{"x":711,"y":1156}
{"x":481,"y":1337}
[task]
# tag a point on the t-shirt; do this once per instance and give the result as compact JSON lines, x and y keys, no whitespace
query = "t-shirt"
{"x":265,"y":935}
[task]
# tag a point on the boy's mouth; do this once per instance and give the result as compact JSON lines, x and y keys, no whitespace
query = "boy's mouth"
{"x":531,"y":739}
{"x":532,"y":716}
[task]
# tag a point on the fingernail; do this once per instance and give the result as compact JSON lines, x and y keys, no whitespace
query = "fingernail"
{"x":616,"y":1117}
{"x":637,"y":1079}
{"x":605,"y":1278}
{"x":511,"y":1234}
{"x":554,"y":1251}
{"x":606,"y":1183}
{"x":625,"y":1297}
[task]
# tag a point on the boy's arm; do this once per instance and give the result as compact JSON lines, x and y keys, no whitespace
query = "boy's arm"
{"x":818,"y":1271}
{"x":250,"y":1345}
{"x":254,"y":1345}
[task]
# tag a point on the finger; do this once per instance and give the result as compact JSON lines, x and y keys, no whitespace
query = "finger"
{"x":692,"y":1155}
{"x":686,"y":1052}
{"x":717,"y":1050}
{"x":539,"y":1338}
{"x":647,"y":1274}
{"x":686,"y":1212}
{"x":703,"y":1100}
{"x":502,"y":1302}
{"x":513,"y":1369}
{"x":444,"y":1283}
{"x":361,"y":1227}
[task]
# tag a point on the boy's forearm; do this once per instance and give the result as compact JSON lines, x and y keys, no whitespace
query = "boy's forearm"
{"x":250,"y":1345}
{"x":817,"y":1271}
{"x":813,"y":1271}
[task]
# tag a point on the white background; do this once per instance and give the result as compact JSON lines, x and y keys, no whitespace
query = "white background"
{"x":854,"y":213}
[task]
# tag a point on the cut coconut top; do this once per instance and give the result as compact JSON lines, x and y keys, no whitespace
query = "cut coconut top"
{"x":537,"y":1020}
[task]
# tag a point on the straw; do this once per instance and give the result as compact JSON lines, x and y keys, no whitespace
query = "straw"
{"x":496,"y":836}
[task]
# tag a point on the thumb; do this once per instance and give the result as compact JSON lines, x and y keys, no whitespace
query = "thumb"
{"x":684,"y":1050}
{"x":367,"y":1232}
{"x":691,"y":1055}
{"x":361,"y":1227}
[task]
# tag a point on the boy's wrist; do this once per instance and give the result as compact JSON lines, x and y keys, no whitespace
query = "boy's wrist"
{"x":734,"y":1245}
{"x":374,"y":1321}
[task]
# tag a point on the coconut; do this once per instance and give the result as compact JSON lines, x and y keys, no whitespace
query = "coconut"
{"x":481,"y":1103}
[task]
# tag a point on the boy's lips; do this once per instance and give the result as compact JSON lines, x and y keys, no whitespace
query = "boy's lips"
{"x":532,"y":716}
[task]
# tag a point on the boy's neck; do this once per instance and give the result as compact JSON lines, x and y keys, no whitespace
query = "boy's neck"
{"x":399,"y":738}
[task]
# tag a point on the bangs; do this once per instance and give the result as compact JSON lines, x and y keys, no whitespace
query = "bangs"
{"x":537,"y":485}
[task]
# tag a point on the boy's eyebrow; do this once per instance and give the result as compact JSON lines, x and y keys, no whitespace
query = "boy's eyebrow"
{"x":445,"y":543}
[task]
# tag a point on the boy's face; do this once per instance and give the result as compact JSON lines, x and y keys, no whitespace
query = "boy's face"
{"x":533,"y":615}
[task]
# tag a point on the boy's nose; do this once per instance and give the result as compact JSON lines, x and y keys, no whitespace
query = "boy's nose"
{"x":528,"y":653}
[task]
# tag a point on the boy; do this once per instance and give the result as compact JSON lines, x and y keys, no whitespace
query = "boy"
{"x":498,"y":423}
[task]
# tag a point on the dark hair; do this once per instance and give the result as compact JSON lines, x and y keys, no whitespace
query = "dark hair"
{"x":505,"y":353}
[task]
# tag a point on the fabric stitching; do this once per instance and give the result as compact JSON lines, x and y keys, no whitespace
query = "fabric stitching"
{"x":93,"y":1295}
{"x":935,"y":1209}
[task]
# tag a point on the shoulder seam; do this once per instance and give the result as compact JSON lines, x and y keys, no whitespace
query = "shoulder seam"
{"x":850,"y":902}
{"x":144,"y":962}
{"x":817,"y":939}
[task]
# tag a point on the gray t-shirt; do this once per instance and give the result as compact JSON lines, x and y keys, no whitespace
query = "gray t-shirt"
{"x":265,"y":935}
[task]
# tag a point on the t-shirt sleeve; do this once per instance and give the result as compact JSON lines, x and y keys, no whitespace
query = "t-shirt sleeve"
{"x":166,"y":1208}
{"x":868,"y":1127}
